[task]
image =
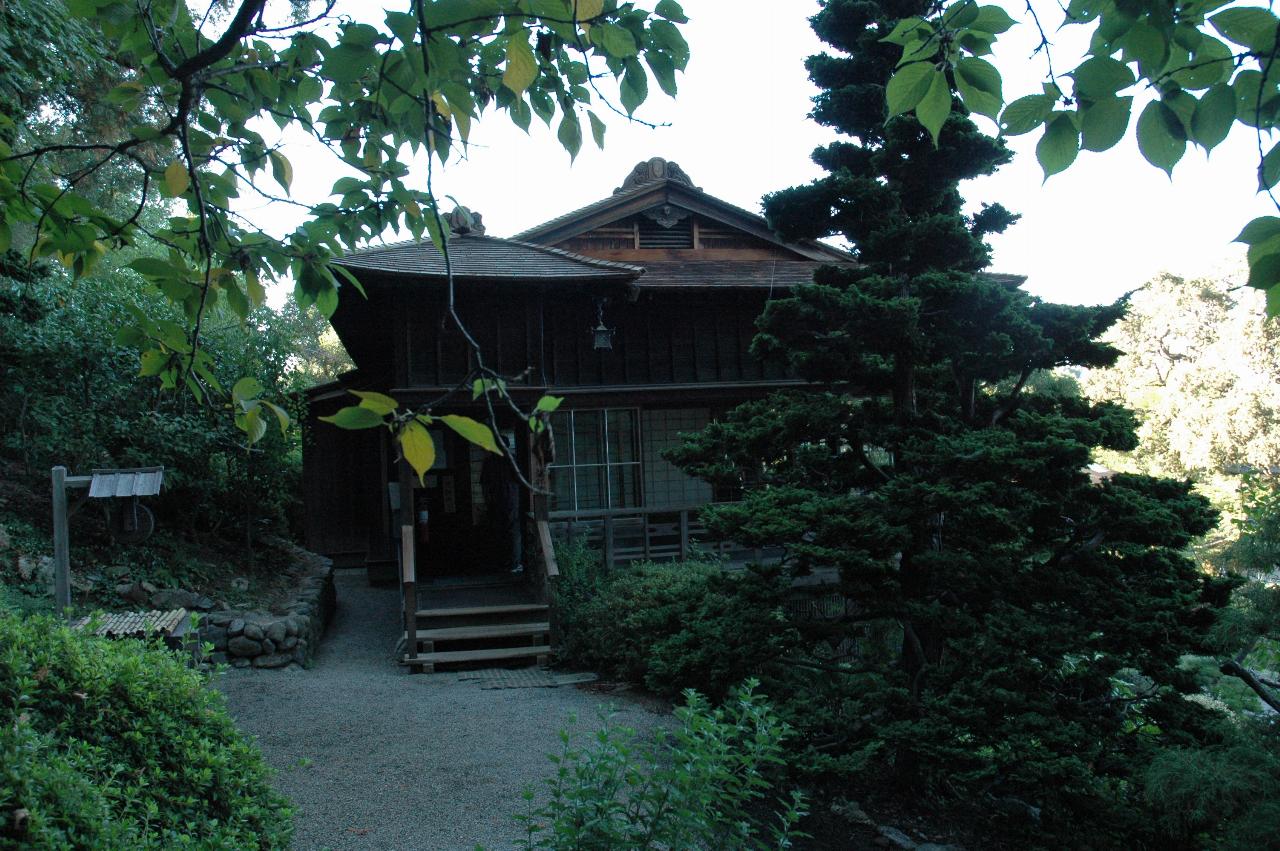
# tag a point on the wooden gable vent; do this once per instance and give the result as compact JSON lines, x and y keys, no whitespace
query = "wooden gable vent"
{"x":665,"y":227}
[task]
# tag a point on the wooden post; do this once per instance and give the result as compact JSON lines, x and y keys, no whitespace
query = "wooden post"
{"x":61,"y":542}
{"x":608,"y":542}
{"x":684,"y":535}
{"x":408,"y":567}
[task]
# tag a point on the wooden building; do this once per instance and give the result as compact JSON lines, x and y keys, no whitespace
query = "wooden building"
{"x":638,"y":310}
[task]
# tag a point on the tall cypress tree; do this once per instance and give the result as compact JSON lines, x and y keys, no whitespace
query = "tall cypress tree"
{"x":936,"y":463}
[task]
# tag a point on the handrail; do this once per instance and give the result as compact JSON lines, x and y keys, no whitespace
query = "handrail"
{"x":601,"y":513}
{"x":549,"y":566}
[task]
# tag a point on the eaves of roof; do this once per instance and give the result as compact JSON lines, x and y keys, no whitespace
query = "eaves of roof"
{"x":485,"y":258}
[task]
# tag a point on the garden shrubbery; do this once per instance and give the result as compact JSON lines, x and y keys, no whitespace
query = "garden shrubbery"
{"x":119,"y":745}
{"x":710,"y":783}
{"x":671,"y":626}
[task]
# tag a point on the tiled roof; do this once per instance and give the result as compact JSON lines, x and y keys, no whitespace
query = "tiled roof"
{"x":473,"y":256}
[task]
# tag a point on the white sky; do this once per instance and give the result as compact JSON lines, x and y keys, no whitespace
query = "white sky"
{"x":739,"y":127}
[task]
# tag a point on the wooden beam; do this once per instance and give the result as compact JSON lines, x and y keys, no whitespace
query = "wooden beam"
{"x":61,"y":542}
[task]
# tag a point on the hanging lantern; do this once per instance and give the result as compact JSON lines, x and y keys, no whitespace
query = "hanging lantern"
{"x":601,"y":336}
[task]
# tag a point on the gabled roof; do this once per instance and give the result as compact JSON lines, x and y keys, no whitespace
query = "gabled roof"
{"x":485,"y":257}
{"x":658,"y":182}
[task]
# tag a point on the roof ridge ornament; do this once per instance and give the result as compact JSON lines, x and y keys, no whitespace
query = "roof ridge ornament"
{"x":464,"y":222}
{"x":652,"y":171}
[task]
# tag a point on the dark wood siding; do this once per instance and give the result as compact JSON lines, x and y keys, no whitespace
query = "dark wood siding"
{"x":343,"y":484}
{"x":696,"y":337}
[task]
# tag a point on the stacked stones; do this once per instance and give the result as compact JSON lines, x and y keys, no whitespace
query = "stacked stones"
{"x":276,"y":640}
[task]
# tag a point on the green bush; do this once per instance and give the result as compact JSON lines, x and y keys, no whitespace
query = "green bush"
{"x":671,"y":626}
{"x":119,"y":745}
{"x":708,"y":784}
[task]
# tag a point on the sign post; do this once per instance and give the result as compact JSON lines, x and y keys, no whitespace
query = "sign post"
{"x":103,"y":484}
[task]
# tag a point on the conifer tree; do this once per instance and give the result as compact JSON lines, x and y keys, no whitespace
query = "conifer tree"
{"x":1035,"y":618}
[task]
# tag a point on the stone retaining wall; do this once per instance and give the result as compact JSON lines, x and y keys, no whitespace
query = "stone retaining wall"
{"x":287,"y":636}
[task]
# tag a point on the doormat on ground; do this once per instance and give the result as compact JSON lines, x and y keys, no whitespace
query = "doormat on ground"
{"x":523,"y":678}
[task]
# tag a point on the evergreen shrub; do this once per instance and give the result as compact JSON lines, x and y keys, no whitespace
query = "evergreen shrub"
{"x":671,"y":625}
{"x":120,"y":745}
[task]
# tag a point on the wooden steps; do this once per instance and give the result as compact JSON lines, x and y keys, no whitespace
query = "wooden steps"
{"x":498,"y":630}
{"x":428,"y":661}
{"x":477,"y":636}
{"x":485,"y":611}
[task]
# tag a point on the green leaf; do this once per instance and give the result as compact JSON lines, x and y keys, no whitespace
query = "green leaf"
{"x":1259,"y":230}
{"x":1269,"y":169}
{"x":250,"y":422}
{"x":1101,"y":77}
{"x":154,"y":267}
{"x":1214,"y":116}
{"x":377,"y":402}
{"x":664,"y":71}
{"x":154,"y":362}
{"x":991,"y":19}
{"x":348,"y":62}
{"x":403,"y":25}
{"x":980,"y":86}
{"x":253,"y":286}
{"x":1273,"y":301}
{"x":1210,"y":63}
{"x":668,"y":9}
{"x":570,"y":134}
{"x":1264,"y":272}
{"x":417,"y":447}
{"x":1161,"y":137}
{"x":1058,"y":148}
{"x":634,"y":88}
{"x":909,"y":30}
{"x":960,"y":14}
{"x":935,"y":106}
{"x":616,"y":41}
{"x":282,"y":416}
{"x":472,"y":431}
{"x":246,"y":388}
{"x":176,"y":179}
{"x":1103,"y":123}
{"x":281,"y":169}
{"x":1026,"y":114}
{"x":6,"y":236}
{"x":522,"y":67}
{"x":1146,"y":45}
{"x":908,"y":86}
{"x":354,"y":418}
{"x":1253,"y":27}
{"x":549,"y":404}
{"x":597,"y":129}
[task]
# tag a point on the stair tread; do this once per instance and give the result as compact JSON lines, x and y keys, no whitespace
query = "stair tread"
{"x":470,"y":611}
{"x":497,"y":630}
{"x":446,"y":656}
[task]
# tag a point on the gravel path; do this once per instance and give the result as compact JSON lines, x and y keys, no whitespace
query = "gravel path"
{"x":373,"y":757}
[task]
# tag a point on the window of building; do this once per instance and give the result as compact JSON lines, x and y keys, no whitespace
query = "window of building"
{"x":597,"y":460}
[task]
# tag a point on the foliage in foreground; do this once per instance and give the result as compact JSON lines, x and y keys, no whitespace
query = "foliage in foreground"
{"x":671,"y":626}
{"x":1191,"y":71}
{"x":119,"y":745}
{"x":710,"y":783}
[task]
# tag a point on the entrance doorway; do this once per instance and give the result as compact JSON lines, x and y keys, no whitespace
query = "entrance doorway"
{"x":468,"y":534}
